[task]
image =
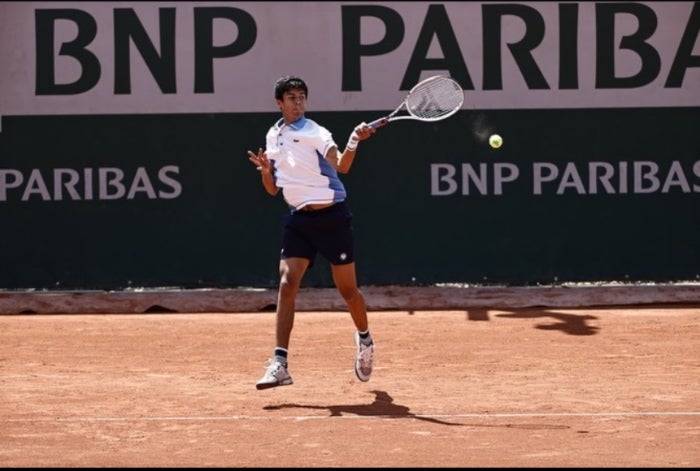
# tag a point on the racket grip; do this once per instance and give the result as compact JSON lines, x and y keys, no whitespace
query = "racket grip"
{"x":377,"y":123}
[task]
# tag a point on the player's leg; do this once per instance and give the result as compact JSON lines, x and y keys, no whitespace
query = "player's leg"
{"x":337,"y":244}
{"x":346,"y":281}
{"x":277,"y":372}
{"x":297,"y":256}
{"x":291,"y":273}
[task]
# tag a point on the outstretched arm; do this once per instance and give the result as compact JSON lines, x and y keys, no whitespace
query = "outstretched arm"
{"x":343,"y":162}
{"x":264,"y":166}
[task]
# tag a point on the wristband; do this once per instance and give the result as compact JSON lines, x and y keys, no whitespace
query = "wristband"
{"x":352,"y":142}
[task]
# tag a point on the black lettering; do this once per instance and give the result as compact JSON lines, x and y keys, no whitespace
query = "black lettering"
{"x":353,"y":49}
{"x":127,"y":26}
{"x":568,"y":46}
{"x":605,"y":45}
{"x":437,"y":24}
{"x":205,"y":51}
{"x":684,"y":56}
{"x":534,"y":33}
{"x":45,"y":21}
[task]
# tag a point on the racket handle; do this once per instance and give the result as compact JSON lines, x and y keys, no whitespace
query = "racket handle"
{"x":377,"y":123}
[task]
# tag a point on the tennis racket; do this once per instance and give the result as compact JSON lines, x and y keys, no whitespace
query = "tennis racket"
{"x":432,"y":99}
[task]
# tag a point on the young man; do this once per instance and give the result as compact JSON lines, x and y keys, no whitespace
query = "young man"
{"x":302,"y":159}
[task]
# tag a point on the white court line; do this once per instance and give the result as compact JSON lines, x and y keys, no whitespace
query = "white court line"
{"x":205,"y":418}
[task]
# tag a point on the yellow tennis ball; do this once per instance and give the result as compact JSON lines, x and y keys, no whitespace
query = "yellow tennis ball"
{"x":495,"y":141}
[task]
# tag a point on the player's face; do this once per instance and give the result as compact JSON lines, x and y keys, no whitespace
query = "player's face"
{"x":292,"y":104}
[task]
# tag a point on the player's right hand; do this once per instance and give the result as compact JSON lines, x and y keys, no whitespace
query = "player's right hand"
{"x":262,"y":164}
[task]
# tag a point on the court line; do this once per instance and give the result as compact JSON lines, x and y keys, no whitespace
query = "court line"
{"x":354,"y":417}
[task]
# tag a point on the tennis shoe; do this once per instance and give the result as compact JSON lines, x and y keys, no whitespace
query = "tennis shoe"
{"x":364,"y":361}
{"x":276,"y":374}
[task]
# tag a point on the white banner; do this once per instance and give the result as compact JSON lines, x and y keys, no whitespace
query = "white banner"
{"x":211,"y":57}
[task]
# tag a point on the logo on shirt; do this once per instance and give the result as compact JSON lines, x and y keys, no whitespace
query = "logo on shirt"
{"x":343,"y":256}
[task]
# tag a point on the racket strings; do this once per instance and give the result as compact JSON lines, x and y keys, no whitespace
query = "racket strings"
{"x":435,"y":99}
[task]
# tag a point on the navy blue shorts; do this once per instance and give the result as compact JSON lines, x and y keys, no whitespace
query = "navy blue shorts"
{"x":327,"y":231}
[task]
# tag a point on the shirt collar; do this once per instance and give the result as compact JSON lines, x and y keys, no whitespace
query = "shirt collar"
{"x":296,"y":125}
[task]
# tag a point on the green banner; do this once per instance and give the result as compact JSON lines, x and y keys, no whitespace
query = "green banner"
{"x":119,"y":201}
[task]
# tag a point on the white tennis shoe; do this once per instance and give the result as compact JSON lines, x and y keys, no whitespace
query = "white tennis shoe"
{"x":276,"y":374}
{"x":364,"y":361}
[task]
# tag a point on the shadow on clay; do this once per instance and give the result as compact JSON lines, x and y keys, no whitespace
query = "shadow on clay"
{"x":572,"y":324}
{"x":384,"y":406}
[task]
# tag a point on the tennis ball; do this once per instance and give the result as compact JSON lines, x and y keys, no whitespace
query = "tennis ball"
{"x":495,"y":141}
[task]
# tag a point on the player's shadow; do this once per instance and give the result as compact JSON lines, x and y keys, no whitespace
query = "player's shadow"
{"x":382,"y":406}
{"x":571,"y":324}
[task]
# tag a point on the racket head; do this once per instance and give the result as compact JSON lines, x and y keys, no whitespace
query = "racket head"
{"x":435,"y":98}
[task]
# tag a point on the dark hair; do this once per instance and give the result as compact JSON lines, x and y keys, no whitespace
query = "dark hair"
{"x":286,"y":83}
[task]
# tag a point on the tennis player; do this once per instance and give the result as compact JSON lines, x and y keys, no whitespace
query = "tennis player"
{"x":302,"y":159}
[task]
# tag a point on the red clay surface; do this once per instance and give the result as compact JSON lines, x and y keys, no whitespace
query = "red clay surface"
{"x":595,"y":387}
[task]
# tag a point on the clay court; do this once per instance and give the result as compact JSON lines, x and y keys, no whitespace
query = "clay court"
{"x":531,"y":387}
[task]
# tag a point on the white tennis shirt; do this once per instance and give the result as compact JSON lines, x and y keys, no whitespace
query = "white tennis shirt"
{"x":297,"y":152}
